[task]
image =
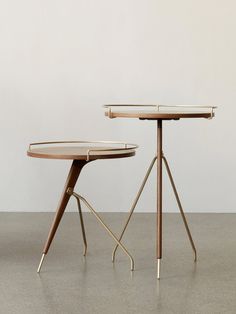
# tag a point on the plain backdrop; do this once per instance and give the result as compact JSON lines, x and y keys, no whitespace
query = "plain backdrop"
{"x":61,"y":60}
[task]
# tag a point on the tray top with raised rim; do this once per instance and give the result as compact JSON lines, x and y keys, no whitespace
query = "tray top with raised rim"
{"x":155,"y":112}
{"x":81,"y":150}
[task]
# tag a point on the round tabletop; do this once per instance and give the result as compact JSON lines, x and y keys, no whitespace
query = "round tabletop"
{"x":81,"y":151}
{"x":159,"y":112}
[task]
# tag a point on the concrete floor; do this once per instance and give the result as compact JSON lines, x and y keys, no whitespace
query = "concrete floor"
{"x":69,"y":283}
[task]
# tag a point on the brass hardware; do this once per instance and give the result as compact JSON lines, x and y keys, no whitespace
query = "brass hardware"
{"x":79,"y":197}
{"x":129,"y":105}
{"x":158,"y":268}
{"x":41,"y":262}
{"x":125,"y":148}
{"x":82,"y":226}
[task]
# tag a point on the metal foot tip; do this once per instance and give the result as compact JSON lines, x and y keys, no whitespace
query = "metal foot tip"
{"x":158,"y":268}
{"x":41,"y":262}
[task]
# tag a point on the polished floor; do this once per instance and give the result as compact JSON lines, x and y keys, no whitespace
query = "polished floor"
{"x":70,"y":283}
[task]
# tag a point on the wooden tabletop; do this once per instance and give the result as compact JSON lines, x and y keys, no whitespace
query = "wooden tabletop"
{"x":80,"y":152}
{"x":155,"y":112}
{"x":155,"y":115}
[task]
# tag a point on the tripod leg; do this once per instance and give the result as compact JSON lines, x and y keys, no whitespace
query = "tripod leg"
{"x":82,"y":226}
{"x":134,"y":205}
{"x":180,"y":207}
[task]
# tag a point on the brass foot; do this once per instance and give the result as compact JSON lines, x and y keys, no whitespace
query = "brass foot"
{"x":41,"y":262}
{"x":158,"y":268}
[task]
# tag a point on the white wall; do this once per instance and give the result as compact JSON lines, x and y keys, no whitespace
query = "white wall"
{"x":60,"y":60}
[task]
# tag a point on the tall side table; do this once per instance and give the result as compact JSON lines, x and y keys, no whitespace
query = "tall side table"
{"x":159,"y":113}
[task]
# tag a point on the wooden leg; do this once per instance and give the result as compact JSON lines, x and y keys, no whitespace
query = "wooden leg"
{"x":159,"y":196}
{"x":73,"y":175}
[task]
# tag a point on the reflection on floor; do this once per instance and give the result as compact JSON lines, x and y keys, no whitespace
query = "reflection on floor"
{"x":70,"y":283}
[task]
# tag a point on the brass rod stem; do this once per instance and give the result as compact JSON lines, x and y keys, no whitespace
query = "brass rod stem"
{"x":180,"y":207}
{"x":134,"y":205}
{"x":82,"y":226}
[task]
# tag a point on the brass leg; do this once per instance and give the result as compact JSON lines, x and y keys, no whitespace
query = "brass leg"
{"x":70,"y":182}
{"x":70,"y":191}
{"x":82,"y":226}
{"x":134,"y":205}
{"x":180,"y":207}
{"x":159,"y":196}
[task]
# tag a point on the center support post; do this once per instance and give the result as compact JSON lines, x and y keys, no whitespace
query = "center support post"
{"x":159,"y":197}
